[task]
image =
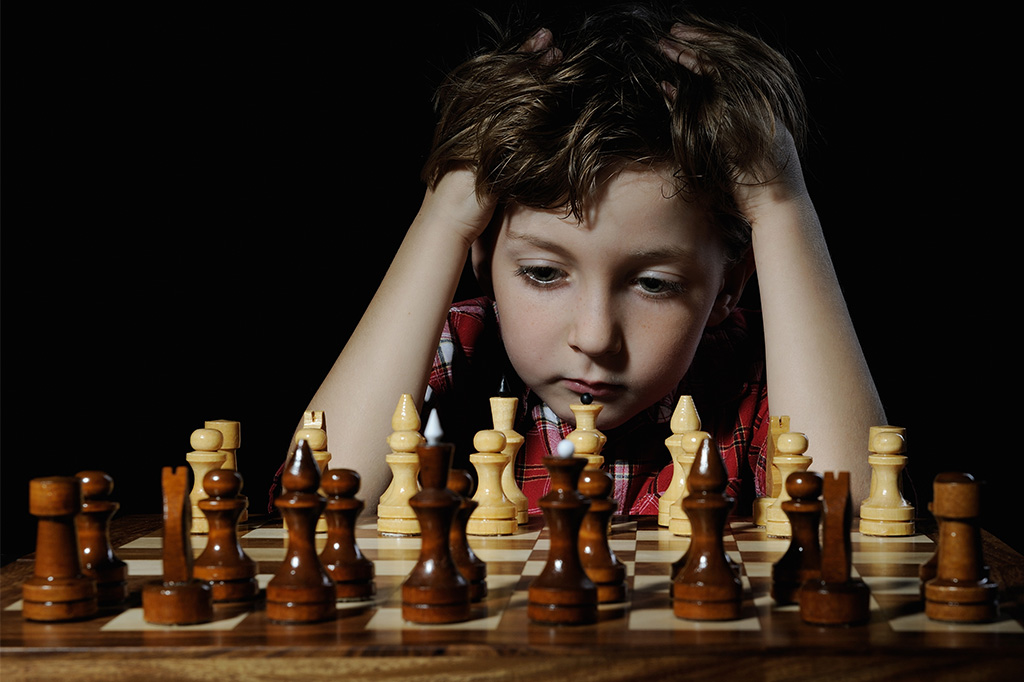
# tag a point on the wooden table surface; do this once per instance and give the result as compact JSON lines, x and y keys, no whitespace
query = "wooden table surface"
{"x":778,"y":646}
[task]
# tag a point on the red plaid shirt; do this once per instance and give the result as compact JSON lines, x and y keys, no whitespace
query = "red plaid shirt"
{"x":726,"y":380}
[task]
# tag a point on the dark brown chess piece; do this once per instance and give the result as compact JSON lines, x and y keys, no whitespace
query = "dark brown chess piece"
{"x":177,"y":599}
{"x":802,"y":560}
{"x":58,"y":590}
{"x":562,"y":594}
{"x":223,"y":563}
{"x":961,"y":590}
{"x":351,"y":570}
{"x":835,"y":598}
{"x":599,"y":561}
{"x":707,"y":586}
{"x":472,"y":567}
{"x":301,"y":591}
{"x":97,"y":556}
{"x":435,"y":591}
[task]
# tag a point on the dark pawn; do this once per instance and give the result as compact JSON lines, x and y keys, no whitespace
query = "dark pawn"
{"x":835,"y":598}
{"x":599,"y":561}
{"x":802,"y":560}
{"x":470,"y":565}
{"x":57,"y":590}
{"x":435,"y":590}
{"x":563,"y":594}
{"x":961,"y":590}
{"x":177,"y":599}
{"x":301,"y":591}
{"x":224,"y":564}
{"x":97,"y":556}
{"x":707,"y":586}
{"x":352,"y":572}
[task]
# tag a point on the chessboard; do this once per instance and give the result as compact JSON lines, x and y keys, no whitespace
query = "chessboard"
{"x":638,"y":635}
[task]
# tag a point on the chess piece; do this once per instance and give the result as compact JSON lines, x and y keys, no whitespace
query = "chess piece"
{"x":684,"y":420}
{"x":707,"y":586}
{"x":495,"y":514}
{"x":301,"y":591}
{"x":178,"y":598}
{"x":394,"y":514}
{"x":687,"y":446}
{"x":316,"y":437}
{"x":97,"y":558}
{"x":352,"y":572}
{"x":835,"y":598}
{"x":206,"y":456}
{"x":961,"y":590}
{"x":773,"y":481}
{"x":599,"y":561}
{"x":223,"y":563}
{"x":886,"y":512}
{"x":802,"y":560}
{"x":231,"y":433}
{"x":503,"y":414}
{"x":789,"y":458}
{"x":586,"y":412}
{"x":435,"y":591}
{"x":562,"y":594}
{"x":472,"y":567}
{"x":58,"y":590}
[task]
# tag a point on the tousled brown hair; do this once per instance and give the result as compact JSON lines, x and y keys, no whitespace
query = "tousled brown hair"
{"x":543,"y":132}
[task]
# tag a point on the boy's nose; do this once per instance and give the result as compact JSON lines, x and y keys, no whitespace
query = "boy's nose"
{"x":595,"y":330}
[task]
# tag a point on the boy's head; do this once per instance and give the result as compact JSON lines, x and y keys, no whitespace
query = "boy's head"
{"x":617,"y":240}
{"x":544,"y":129}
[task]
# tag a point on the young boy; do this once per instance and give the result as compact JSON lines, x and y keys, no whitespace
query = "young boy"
{"x":615,"y":191}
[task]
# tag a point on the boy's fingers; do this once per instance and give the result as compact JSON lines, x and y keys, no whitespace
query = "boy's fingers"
{"x":542,"y":41}
{"x":675,"y":48}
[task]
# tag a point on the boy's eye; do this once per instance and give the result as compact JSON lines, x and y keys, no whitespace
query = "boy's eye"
{"x":540,"y":274}
{"x":655,"y":286}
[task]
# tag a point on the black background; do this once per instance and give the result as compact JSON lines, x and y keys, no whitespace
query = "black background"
{"x":199,"y":199}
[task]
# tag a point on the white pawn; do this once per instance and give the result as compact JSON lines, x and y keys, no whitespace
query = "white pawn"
{"x":316,"y":438}
{"x":232,"y":433}
{"x":678,"y":521}
{"x":684,"y":420}
{"x":503,"y":414}
{"x":395,"y":516}
{"x":586,"y":412}
{"x":789,"y":458}
{"x":773,"y":486}
{"x":886,"y":512}
{"x":206,"y":456}
{"x":495,"y":514}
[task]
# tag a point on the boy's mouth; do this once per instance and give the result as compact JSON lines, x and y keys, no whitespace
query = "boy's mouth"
{"x":600,"y":390}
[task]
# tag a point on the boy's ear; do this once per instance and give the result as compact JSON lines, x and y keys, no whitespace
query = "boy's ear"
{"x":736,"y":277}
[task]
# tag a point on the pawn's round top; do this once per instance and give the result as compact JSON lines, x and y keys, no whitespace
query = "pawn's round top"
{"x":222,"y":483}
{"x":889,"y":443}
{"x":595,"y":483}
{"x":340,"y":483}
{"x":586,"y":399}
{"x":460,"y":482}
{"x":804,"y":485}
{"x":792,"y":443}
{"x":317,"y":438}
{"x":489,"y":440}
{"x":95,"y":484}
{"x":206,"y":440}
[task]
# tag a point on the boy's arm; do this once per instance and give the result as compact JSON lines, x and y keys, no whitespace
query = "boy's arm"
{"x":816,"y":370}
{"x":392,"y":348}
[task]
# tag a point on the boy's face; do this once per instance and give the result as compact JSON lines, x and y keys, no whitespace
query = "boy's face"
{"x":613,"y":306}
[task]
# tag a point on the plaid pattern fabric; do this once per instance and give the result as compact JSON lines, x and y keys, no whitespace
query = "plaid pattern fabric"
{"x":726,"y":380}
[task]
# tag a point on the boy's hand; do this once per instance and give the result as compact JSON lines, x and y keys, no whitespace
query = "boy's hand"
{"x":456,"y":203}
{"x":780,"y":178}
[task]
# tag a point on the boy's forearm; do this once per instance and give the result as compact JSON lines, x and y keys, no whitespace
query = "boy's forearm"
{"x":391,"y":351}
{"x":816,"y":370}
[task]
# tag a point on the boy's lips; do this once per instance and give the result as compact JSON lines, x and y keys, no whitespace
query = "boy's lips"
{"x":598,"y":389}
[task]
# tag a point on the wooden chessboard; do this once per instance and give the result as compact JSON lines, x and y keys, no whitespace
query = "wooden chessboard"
{"x":638,"y":635}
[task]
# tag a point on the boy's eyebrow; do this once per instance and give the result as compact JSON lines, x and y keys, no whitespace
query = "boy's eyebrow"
{"x":653,"y":254}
